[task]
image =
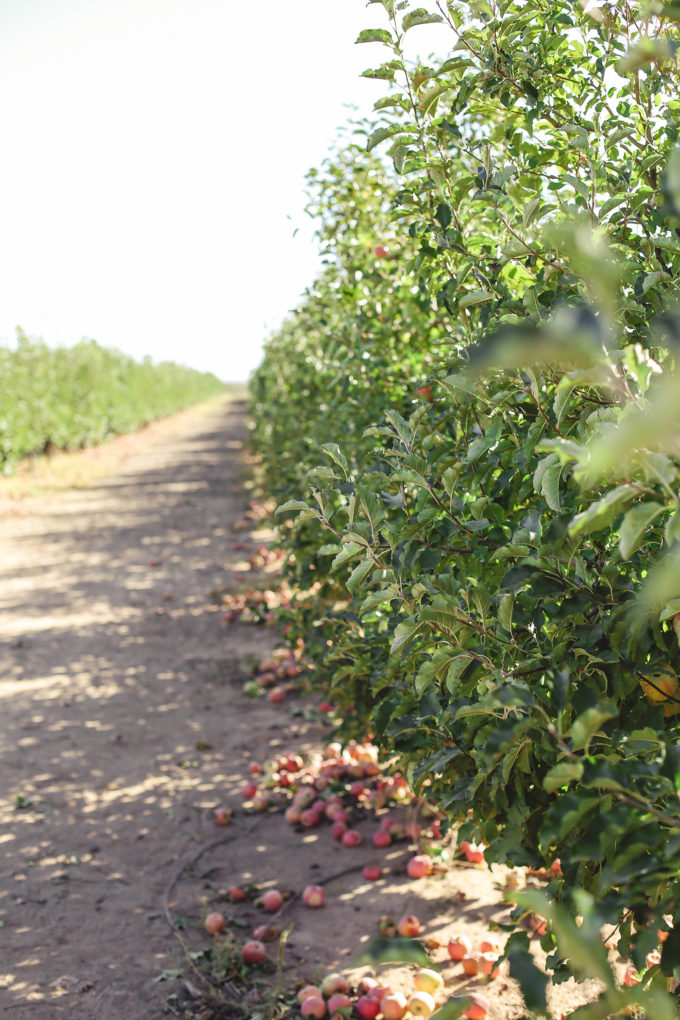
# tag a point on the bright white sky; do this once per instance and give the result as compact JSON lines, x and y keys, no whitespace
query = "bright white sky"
{"x":153,"y":162}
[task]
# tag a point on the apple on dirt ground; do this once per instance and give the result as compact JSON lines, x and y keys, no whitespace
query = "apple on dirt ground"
{"x":409,"y":925}
{"x":393,"y":1006}
{"x":309,"y":991}
{"x":222,"y":816}
{"x":367,"y":1007}
{"x":427,"y":980}
{"x":314,"y":1006}
{"x":478,"y":1008}
{"x":471,"y":964}
{"x":254,"y":951}
{"x":313,"y":896}
{"x":419,"y":866}
{"x":339,"y":1001}
{"x":333,"y":983}
{"x":214,"y":923}
{"x":352,"y":838}
{"x":272,"y":901}
{"x":421,"y":1004}
{"x":372,"y":872}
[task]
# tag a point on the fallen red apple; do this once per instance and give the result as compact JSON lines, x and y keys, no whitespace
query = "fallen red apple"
{"x":339,"y":1001}
{"x":338,"y":830}
{"x":475,"y":853}
{"x":310,"y":818}
{"x":314,"y":1007}
{"x":381,"y":838}
{"x":237,"y":894}
{"x":459,"y":946}
{"x":249,"y":791}
{"x":254,"y":952}
{"x":222,"y":816}
{"x":419,"y":866}
{"x":368,"y":986}
{"x":333,"y":983}
{"x":372,"y":872}
{"x":488,"y":964}
{"x":313,"y":896}
{"x":479,"y":1006}
{"x":214,"y":923}
{"x":276,"y":695}
{"x":471,"y":964}
{"x":352,"y":838}
{"x":408,"y":925}
{"x":393,"y":1006}
{"x":272,"y":901}
{"x":367,"y":1008}
{"x":308,"y":992}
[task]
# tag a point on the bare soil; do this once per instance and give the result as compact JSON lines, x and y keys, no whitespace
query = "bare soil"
{"x":124,"y":724}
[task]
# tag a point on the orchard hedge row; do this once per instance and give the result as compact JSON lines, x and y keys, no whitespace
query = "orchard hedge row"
{"x":71,"y":397}
{"x":471,"y":425}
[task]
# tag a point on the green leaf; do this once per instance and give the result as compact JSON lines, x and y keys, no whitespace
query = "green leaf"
{"x":384,"y":949}
{"x":292,"y":504}
{"x":336,"y":454}
{"x":476,"y":297}
{"x":562,"y":774}
{"x":404,"y":632}
{"x":380,"y":35}
{"x":419,"y":17}
{"x":670,"y":181}
{"x":587,"y":955}
{"x":359,"y":573}
{"x":378,"y":136}
{"x":532,"y":981}
{"x":588,"y":723}
{"x":506,"y":605}
{"x":430,"y":98}
{"x":604,"y":511}
{"x":349,"y":551}
{"x":634,"y":525}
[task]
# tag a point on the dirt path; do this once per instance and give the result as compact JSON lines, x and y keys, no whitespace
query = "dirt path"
{"x":113,"y":669}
